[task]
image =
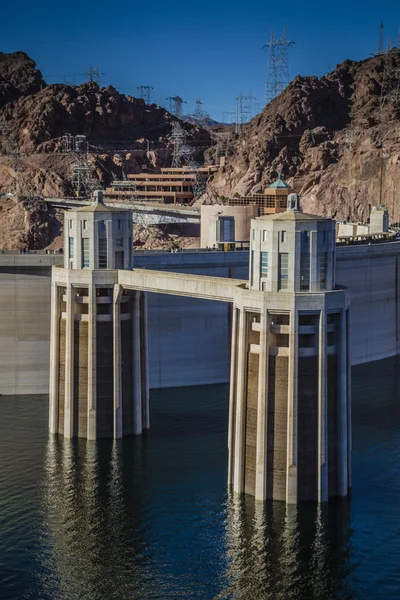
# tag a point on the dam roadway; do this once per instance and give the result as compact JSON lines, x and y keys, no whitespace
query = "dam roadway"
{"x":189,"y":338}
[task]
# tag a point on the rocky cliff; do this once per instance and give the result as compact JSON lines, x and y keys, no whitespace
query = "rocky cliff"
{"x":330,"y":137}
{"x":124,"y":135}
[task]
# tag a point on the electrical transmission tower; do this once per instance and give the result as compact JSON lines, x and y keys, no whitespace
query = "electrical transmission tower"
{"x":380,"y":40}
{"x":182,"y":156}
{"x":145,"y":92}
{"x":244,"y":110}
{"x":228,"y":117}
{"x":390,"y":90}
{"x":199,"y":114}
{"x":94,"y":74}
{"x":84,"y":181}
{"x":278,"y":65}
{"x":176,"y":105}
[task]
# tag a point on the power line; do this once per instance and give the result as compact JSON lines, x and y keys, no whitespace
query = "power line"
{"x":278,"y":65}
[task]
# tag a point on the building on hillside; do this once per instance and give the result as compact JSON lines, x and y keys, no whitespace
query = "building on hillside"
{"x":221,"y":225}
{"x":174,"y":185}
{"x":272,"y":201}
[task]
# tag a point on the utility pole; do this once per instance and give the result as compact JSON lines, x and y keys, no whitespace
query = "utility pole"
{"x":176,"y":105}
{"x":145,"y":92}
{"x":278,"y":65}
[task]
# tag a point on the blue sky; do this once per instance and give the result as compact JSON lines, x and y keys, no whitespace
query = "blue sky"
{"x":209,"y":49}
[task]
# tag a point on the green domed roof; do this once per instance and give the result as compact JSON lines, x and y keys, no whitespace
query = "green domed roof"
{"x":279,"y":184}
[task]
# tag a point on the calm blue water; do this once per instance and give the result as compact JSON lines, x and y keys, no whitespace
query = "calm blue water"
{"x":151,"y":517}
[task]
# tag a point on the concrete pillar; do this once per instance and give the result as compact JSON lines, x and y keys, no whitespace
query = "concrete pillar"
{"x":136,"y":367}
{"x":92,"y":382}
{"x":322,"y":482}
{"x":240,"y":416}
{"x":117,"y":362}
{"x":69,"y":364}
{"x":349,"y":421}
{"x":291,"y":467}
{"x":144,"y":361}
{"x":262,"y":409}
{"x":232,"y":397}
{"x":342,"y":401}
{"x":54,"y":357}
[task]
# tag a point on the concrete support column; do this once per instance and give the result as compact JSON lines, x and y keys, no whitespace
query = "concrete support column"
{"x":117,"y":361}
{"x":69,"y":364}
{"x":342,"y":402}
{"x":232,"y":397}
{"x":136,"y":367}
{"x":322,"y":482}
{"x":54,"y":357}
{"x":349,"y":420}
{"x":92,"y":380}
{"x":240,"y":413}
{"x":291,"y":465}
{"x":262,"y":410}
{"x":144,"y":361}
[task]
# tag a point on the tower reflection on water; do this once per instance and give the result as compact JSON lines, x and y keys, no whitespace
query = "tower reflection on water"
{"x":100,"y":528}
{"x":95,"y":548}
{"x":277,"y":551}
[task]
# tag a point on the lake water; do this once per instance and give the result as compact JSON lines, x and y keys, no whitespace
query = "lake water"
{"x":151,"y":517}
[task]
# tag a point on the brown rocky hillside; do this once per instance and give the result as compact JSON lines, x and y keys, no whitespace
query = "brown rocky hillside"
{"x":326,"y":136}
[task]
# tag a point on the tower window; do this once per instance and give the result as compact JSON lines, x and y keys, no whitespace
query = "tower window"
{"x":102,"y":253}
{"x":119,"y":224}
{"x":84,"y":224}
{"x":323,"y":260}
{"x":283,"y":271}
{"x":102,"y":226}
{"x":85,"y":253}
{"x":265,"y":233}
{"x":71,"y":248}
{"x":283,"y":236}
{"x":70,"y":223}
{"x":119,"y":242}
{"x":305,"y":271}
{"x":264,"y":264}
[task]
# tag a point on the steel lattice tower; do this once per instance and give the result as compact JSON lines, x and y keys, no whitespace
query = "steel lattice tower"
{"x":183,"y":156}
{"x":176,"y":105}
{"x":145,"y":92}
{"x":278,"y":65}
{"x":244,"y":109}
{"x":390,"y":90}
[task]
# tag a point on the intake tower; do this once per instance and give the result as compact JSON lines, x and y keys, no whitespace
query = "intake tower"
{"x":98,"y":342}
{"x":290,"y":430}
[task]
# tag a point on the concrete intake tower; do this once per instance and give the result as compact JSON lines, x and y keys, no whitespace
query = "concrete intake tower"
{"x":289,"y":409}
{"x":98,"y":339}
{"x":290,"y":420}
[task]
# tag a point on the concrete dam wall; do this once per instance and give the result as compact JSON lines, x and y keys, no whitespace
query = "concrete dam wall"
{"x":189,"y":339}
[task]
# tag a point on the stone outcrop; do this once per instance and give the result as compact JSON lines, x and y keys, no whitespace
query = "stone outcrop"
{"x":329,"y":137}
